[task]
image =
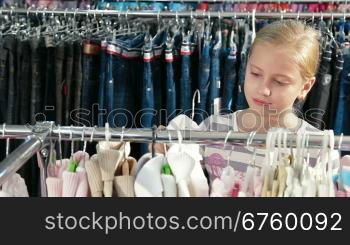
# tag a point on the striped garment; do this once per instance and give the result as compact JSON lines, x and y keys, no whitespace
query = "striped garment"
{"x":217,"y":156}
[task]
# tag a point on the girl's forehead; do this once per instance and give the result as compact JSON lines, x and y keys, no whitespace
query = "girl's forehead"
{"x":274,"y":58}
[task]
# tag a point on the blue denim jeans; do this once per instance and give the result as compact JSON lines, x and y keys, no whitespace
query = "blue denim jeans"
{"x":153,"y":70}
{"x":204,"y":72}
{"x":319,"y":95}
{"x":215,"y":82}
{"x":121,"y":82}
{"x":89,"y":92}
{"x":241,"y":103}
{"x":186,"y":80}
{"x":230,"y":80}
{"x":170,"y":84}
{"x":342,"y":122}
{"x":337,"y":64}
{"x":102,"y":98}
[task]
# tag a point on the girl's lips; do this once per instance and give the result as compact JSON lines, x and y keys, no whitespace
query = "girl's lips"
{"x":260,"y":102}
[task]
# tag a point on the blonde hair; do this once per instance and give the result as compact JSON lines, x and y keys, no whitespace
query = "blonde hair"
{"x":304,"y":40}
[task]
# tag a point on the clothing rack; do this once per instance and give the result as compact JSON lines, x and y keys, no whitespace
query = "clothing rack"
{"x":39,"y":136}
{"x":192,"y":14}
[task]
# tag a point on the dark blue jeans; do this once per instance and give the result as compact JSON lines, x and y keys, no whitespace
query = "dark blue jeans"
{"x":342,"y":122}
{"x":3,"y":82}
{"x":124,"y":72}
{"x":241,"y":103}
{"x":337,"y":64}
{"x":10,"y":44}
{"x":102,"y":114}
{"x":319,"y":95}
{"x":204,"y":72}
{"x":215,"y":82}
{"x":230,"y":80}
{"x":170,"y":84}
{"x":89,"y":96}
{"x":186,"y":79}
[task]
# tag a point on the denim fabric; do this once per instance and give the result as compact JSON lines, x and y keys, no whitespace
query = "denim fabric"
{"x":77,"y":77}
{"x":10,"y":44}
{"x":24,"y":83}
{"x":343,"y":116}
{"x":148,"y":102}
{"x":170,"y":83}
{"x":230,"y":80}
{"x":49,"y":82}
{"x":109,"y":87}
{"x":153,"y":87}
{"x":89,"y":92}
{"x":319,"y":95}
{"x":215,"y":82}
{"x":337,"y":64}
{"x":122,"y":98}
{"x":68,"y":88}
{"x":36,"y":86}
{"x":186,"y":79}
{"x":204,"y":81}
{"x":102,"y":84}
{"x":59,"y":61}
{"x":241,"y":102}
{"x":4,"y":54}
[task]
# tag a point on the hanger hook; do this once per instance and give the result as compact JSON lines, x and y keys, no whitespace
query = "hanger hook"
{"x":227,"y":136}
{"x":59,"y":134}
{"x":3,"y":130}
{"x":122,"y":136}
{"x":340,"y":141}
{"x":71,"y":133}
{"x":82,"y":133}
{"x":75,"y":13}
{"x":197,"y":92}
{"x":92,"y":134}
{"x":154,"y":136}
{"x":107,"y":132}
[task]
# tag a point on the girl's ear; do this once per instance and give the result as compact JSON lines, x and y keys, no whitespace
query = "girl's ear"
{"x":305,"y":89}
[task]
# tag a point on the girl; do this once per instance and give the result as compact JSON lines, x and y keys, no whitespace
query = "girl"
{"x":280,"y":72}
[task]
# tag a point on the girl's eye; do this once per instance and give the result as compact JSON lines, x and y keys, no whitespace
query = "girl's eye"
{"x":255,"y":74}
{"x":279,"y":82}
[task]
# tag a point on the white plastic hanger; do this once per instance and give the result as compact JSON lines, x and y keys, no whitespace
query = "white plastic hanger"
{"x":7,"y":139}
{"x":197,"y":92}
{"x":321,"y":178}
{"x":60,"y":143}
{"x":330,"y":164}
{"x":253,"y":25}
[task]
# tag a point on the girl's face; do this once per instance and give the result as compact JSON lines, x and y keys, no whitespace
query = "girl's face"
{"x":273,"y":80}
